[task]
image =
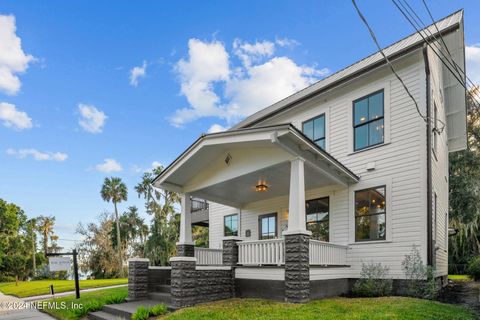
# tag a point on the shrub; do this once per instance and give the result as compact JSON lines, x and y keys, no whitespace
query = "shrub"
{"x":91,"y":306}
{"x":473,"y":269}
{"x":420,"y":278}
{"x":142,"y":313}
{"x":158,"y":310}
{"x":373,"y":282}
{"x":116,"y":298}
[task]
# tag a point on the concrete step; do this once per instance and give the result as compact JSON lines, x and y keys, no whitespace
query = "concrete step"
{"x":102,"y":315}
{"x":125,"y":310}
{"x":160,"y":297}
{"x":162,"y":288}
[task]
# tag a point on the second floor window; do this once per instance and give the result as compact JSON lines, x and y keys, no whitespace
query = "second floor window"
{"x":314,"y":129}
{"x":368,"y":122}
{"x":230,"y":225}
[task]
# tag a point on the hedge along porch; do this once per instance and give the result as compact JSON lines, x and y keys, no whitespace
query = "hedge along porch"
{"x":229,"y":168}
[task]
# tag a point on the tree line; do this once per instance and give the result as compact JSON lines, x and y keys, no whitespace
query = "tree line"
{"x":20,"y":256}
{"x":110,"y":241}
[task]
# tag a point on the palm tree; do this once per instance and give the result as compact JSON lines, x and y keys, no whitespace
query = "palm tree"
{"x":115,"y":190}
{"x":45,"y":226}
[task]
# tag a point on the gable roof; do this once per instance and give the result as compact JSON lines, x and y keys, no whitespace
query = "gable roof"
{"x":445,"y":25}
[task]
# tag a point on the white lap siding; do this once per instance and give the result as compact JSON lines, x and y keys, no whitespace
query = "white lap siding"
{"x":439,"y":169}
{"x":400,"y":163}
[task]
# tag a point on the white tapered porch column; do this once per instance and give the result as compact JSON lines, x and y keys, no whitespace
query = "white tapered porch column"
{"x":297,"y":238}
{"x":185,"y":245}
{"x":297,"y":222}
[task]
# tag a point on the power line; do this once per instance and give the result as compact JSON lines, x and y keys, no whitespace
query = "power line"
{"x":372,"y":34}
{"x":406,"y":15}
{"x":472,"y":84}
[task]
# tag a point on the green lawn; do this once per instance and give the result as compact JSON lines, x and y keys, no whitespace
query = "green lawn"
{"x":459,"y":277}
{"x":335,"y":309}
{"x":39,"y":287}
{"x":90,"y":301}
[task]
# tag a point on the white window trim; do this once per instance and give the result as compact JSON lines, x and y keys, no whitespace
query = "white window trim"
{"x":360,"y":93}
{"x":328,"y":195}
{"x":388,"y":209}
{"x":312,"y":113}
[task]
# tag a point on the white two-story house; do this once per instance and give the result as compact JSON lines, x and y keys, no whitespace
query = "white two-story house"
{"x":344,"y":172}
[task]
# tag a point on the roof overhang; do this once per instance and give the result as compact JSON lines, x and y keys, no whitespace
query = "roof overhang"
{"x":205,"y":171}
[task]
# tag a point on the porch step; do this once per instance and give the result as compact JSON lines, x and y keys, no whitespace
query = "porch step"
{"x":102,"y":315}
{"x":162,"y":288}
{"x":120,"y":311}
{"x":160,"y":297}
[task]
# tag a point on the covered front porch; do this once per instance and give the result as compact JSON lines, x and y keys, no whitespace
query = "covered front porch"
{"x":239,"y":169}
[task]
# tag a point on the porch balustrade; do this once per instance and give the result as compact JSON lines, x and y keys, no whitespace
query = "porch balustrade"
{"x":208,"y":257}
{"x":325,"y":253}
{"x":261,"y":252}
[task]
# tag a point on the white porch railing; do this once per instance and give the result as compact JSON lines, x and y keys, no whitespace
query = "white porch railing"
{"x":325,"y":253}
{"x":208,"y":257}
{"x":261,"y":252}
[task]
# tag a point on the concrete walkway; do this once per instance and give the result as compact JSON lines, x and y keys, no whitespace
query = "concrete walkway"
{"x":13,"y":308}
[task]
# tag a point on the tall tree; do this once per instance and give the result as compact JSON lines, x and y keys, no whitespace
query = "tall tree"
{"x":114,"y":190}
{"x":32,"y":230}
{"x":45,"y":225}
{"x":96,"y":251}
{"x":464,"y":192}
{"x":161,"y":204}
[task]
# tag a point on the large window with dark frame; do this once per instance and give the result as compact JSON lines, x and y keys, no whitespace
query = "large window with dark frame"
{"x":368,"y":121}
{"x":314,"y":129}
{"x":267,"y":226}
{"x":230,"y":225}
{"x":317,"y":211}
{"x":370,"y":214}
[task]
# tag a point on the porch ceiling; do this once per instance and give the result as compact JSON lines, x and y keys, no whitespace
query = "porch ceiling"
{"x":241,"y":190}
{"x":226,"y":167}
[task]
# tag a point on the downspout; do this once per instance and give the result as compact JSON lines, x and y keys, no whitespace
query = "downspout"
{"x":430,"y":257}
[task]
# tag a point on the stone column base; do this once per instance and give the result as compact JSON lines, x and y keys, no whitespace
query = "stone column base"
{"x":297,"y":268}
{"x":138,"y":278}
{"x":183,"y":281}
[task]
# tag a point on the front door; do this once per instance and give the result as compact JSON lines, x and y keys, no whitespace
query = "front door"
{"x":267,"y":225}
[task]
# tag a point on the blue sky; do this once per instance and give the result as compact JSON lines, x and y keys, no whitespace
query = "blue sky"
{"x":137,"y":82}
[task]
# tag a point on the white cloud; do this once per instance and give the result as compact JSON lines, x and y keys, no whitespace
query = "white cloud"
{"x":109,"y":165}
{"x":208,"y":63}
{"x":37,"y":155}
{"x":216,"y":128}
{"x":91,"y":119}
{"x":252,"y":52}
{"x":472,"y":55}
{"x":137,"y":73}
{"x":286,"y":42}
{"x":215,"y":87}
{"x":11,"y":117}
{"x":12,"y":58}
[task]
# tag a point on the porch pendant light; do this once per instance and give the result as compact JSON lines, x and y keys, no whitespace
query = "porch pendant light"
{"x":261,"y":186}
